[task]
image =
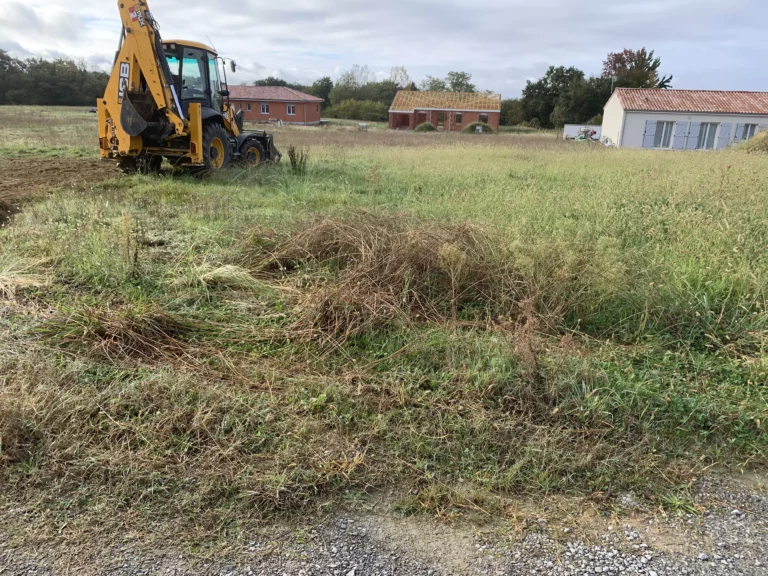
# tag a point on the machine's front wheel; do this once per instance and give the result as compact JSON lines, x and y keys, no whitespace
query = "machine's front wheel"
{"x":216,"y":151}
{"x":252,"y":153}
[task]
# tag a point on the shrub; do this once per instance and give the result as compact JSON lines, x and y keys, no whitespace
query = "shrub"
{"x":472,"y":128}
{"x":596,"y":120}
{"x":365,"y":110}
{"x":425,"y":127}
{"x":758,"y":144}
{"x":298,"y":159}
{"x":533,"y":123}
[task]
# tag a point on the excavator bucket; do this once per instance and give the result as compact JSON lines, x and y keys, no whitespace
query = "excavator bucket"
{"x":130,"y":119}
{"x":274,"y":153}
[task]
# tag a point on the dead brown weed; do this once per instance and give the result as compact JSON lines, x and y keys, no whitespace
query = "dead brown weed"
{"x":394,"y":268}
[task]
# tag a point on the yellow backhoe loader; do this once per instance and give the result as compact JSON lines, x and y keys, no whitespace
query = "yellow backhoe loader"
{"x":165,"y":99}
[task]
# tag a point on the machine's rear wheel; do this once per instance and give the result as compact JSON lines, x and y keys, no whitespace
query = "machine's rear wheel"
{"x":252,"y":153}
{"x":216,"y":151}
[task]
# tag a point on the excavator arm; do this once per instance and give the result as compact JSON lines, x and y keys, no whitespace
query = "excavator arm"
{"x":140,"y":99}
{"x":142,"y":118}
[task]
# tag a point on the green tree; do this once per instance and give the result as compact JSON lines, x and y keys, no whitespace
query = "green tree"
{"x":635,"y":69}
{"x":512,"y":112}
{"x":453,"y":82}
{"x":11,"y":71}
{"x":460,"y":82}
{"x":341,"y":93}
{"x":432,"y":84}
{"x":273,"y":81}
{"x":322,"y":89}
{"x":580,"y":101}
{"x":270,"y":81}
{"x":382,"y":92}
{"x":359,"y":110}
{"x":541,"y":96}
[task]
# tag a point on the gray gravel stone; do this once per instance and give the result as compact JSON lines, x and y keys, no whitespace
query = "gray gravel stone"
{"x":718,"y":543}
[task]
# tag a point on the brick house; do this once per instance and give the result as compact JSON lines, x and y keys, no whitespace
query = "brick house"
{"x":452,"y":110}
{"x":265,"y":103}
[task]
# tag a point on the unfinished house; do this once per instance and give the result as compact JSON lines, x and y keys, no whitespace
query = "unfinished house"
{"x":450,"y":111}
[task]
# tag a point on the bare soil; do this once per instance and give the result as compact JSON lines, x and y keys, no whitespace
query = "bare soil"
{"x":24,"y":178}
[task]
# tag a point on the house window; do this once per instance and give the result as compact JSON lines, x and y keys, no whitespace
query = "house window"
{"x":749,"y":132}
{"x":318,"y":107}
{"x":265,"y":108}
{"x":707,"y":136}
{"x":663,"y":137}
{"x":247,"y":106}
{"x":458,"y":118}
{"x":291,"y":109}
{"x":484,"y":118}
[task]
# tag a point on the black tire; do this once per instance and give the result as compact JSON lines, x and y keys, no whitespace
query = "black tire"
{"x":142,"y":164}
{"x":252,"y":153}
{"x":216,"y":150}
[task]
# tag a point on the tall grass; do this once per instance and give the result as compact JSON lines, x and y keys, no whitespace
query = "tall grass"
{"x":439,"y":313}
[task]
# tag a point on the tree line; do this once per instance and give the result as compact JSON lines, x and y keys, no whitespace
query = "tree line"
{"x":358,"y":95}
{"x":564,"y":95}
{"x":567,"y":96}
{"x":41,"y":82}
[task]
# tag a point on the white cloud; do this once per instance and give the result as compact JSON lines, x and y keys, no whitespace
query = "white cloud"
{"x":704,"y":43}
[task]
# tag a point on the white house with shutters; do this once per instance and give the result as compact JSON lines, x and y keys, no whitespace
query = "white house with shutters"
{"x":683,"y":119}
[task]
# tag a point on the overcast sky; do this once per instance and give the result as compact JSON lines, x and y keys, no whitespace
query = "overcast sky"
{"x":705,"y":44}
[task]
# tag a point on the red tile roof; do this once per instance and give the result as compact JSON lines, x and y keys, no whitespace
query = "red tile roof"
{"x":270,"y":94}
{"x":708,"y":101}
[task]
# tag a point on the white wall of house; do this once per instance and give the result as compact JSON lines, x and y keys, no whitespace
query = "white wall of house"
{"x":639,"y":129}
{"x":613,"y":118}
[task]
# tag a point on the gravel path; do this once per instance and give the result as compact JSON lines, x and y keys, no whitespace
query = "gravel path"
{"x":729,"y":538}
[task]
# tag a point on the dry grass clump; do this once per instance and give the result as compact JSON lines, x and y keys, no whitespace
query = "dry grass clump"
{"x":18,"y":273}
{"x":298,"y":159}
{"x":211,"y":277}
{"x":388,"y":268}
{"x":140,"y":333}
{"x":758,"y":144}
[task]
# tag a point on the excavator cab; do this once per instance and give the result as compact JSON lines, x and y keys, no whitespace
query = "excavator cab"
{"x":166,"y":99}
{"x":195,"y":75}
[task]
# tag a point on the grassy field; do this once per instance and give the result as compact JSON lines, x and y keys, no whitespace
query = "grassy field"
{"x":460,"y":319}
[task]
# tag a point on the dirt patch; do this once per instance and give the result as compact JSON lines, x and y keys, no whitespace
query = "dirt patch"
{"x":7,"y":210}
{"x":451,"y":548}
{"x":25,"y":178}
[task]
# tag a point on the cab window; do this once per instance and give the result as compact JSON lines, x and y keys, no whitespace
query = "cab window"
{"x":213,"y":72}
{"x":193,"y":86}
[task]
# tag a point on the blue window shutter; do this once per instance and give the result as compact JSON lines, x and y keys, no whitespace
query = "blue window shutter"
{"x":680,"y":129}
{"x":650,"y":133}
{"x":693,"y":136}
{"x":725,"y":136}
{"x":739,"y":132}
